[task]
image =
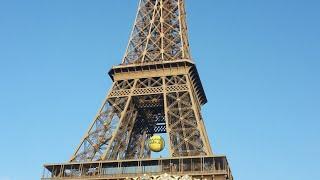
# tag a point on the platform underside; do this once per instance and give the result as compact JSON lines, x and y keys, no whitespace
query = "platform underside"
{"x":206,"y":167}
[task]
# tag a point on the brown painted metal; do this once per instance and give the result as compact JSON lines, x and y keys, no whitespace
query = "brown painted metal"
{"x":165,"y":104}
{"x":200,"y":167}
{"x":159,"y":33}
{"x":156,"y":89}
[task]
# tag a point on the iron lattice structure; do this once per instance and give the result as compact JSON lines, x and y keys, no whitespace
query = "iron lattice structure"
{"x":159,"y":33}
{"x":156,"y":89}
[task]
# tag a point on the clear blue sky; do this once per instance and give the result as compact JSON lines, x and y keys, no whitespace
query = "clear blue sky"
{"x":259,"y":62}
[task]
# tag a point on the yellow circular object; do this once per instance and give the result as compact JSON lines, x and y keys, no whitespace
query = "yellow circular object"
{"x":156,"y":143}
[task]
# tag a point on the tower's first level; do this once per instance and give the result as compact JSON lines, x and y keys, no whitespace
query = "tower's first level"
{"x":206,"y":167}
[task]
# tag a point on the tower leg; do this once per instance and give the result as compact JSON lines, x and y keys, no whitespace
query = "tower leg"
{"x":183,"y":123}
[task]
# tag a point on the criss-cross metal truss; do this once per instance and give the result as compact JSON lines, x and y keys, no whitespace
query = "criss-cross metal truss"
{"x":159,"y":33}
{"x":156,"y":89}
{"x":135,"y":109}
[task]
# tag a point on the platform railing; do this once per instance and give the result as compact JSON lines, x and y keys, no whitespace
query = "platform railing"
{"x":206,"y":165}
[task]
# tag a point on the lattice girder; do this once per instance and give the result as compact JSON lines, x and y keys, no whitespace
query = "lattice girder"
{"x":156,"y":89}
{"x":159,"y":33}
{"x":137,"y":108}
{"x":157,"y":77}
{"x":97,"y":138}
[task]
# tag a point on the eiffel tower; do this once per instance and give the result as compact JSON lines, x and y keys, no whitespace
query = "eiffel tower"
{"x":156,"y":90}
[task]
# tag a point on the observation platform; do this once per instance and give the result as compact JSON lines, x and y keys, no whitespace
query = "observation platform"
{"x":203,"y":167}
